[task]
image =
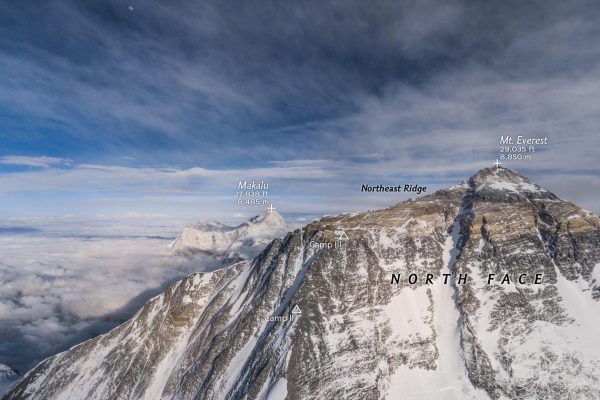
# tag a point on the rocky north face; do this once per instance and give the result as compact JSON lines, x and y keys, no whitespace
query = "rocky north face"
{"x":212,"y":335}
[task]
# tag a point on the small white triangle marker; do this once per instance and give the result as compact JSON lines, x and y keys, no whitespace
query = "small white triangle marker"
{"x":296,"y":310}
{"x":341,"y":235}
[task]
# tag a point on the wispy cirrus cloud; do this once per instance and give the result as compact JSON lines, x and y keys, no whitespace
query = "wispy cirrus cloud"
{"x":35,"y":161}
{"x":225,"y":88}
{"x":115,"y":178}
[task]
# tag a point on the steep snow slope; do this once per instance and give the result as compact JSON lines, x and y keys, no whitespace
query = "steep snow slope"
{"x":228,"y":335}
{"x":449,"y":379}
{"x":245,"y":240}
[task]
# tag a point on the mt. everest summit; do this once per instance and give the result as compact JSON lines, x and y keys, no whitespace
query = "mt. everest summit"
{"x":229,"y":334}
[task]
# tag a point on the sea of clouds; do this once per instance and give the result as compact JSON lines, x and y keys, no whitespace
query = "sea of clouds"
{"x":63,"y":281}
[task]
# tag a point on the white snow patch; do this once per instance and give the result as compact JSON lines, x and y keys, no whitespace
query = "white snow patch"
{"x":596,"y":272}
{"x":513,"y":187}
{"x":263,"y":394}
{"x":406,"y":311}
{"x":236,"y":365}
{"x":279,"y":390}
{"x":585,"y":310}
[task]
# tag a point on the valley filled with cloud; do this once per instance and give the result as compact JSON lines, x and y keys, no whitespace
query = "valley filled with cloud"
{"x":64,"y":280}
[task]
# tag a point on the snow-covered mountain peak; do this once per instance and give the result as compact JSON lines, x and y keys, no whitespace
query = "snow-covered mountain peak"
{"x":271,"y":218}
{"x":242,"y":241}
{"x":498,"y":174}
{"x":505,"y":180}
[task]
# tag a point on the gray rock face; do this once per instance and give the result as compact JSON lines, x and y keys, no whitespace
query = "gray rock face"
{"x":366,"y":332}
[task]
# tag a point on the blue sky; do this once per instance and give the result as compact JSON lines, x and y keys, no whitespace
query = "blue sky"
{"x":113,"y":107}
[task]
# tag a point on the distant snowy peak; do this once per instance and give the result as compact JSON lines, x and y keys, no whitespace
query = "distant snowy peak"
{"x":8,"y":377}
{"x":7,"y":372}
{"x":242,"y":241}
{"x":270,"y":218}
